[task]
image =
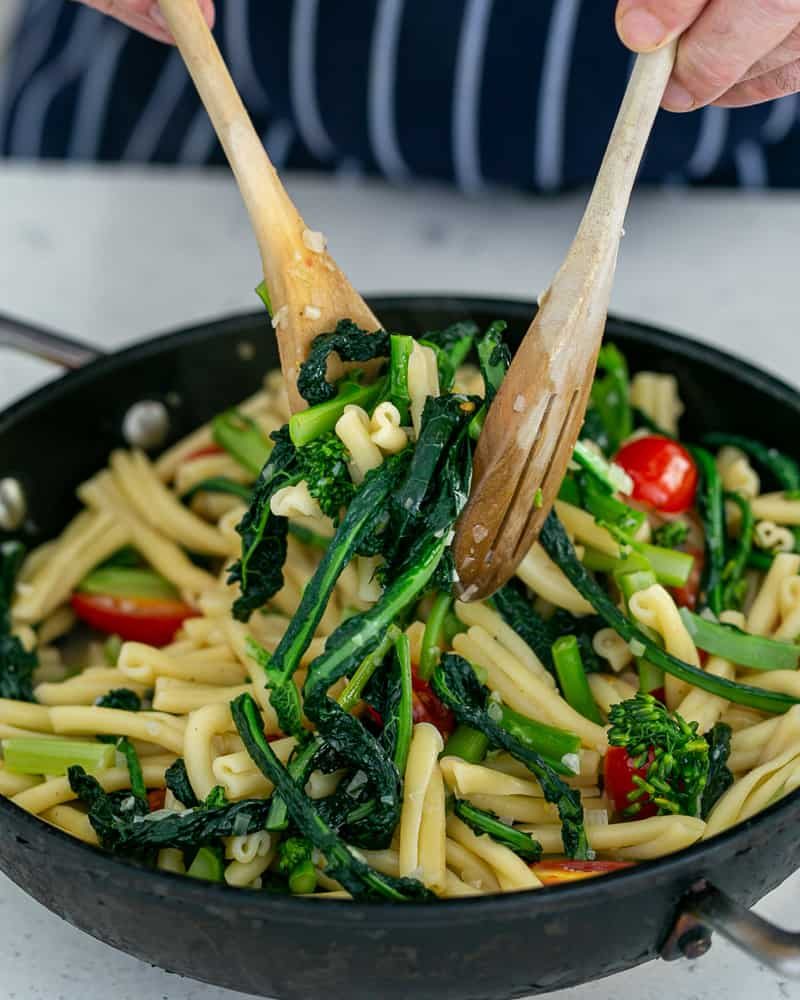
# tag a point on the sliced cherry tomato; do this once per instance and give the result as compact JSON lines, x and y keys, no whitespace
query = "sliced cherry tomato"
{"x":556,"y":871}
{"x":428,"y":707}
{"x":663,"y":472}
{"x":618,"y":775}
{"x":660,"y":694}
{"x":156,"y":797}
{"x":204,"y":451}
{"x":136,"y":619}
{"x":686,"y":596}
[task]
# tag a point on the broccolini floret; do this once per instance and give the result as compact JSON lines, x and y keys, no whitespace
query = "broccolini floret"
{"x":323,"y":465}
{"x":671,"y":750}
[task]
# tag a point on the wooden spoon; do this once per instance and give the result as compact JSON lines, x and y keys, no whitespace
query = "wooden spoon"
{"x":308,"y":292}
{"x":535,"y":419}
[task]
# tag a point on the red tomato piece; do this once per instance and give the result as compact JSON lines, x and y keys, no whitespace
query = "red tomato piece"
{"x":204,"y":451}
{"x":156,"y":798}
{"x":556,"y":871}
{"x":428,"y":708}
{"x":663,"y":472}
{"x":618,"y":773}
{"x":136,"y":619}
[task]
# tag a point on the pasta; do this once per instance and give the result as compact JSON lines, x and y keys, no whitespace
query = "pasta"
{"x":217,"y":665}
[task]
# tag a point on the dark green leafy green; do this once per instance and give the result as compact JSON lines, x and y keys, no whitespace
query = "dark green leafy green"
{"x":483,"y":822}
{"x":121,"y":698}
{"x":177,"y":778}
{"x":452,"y":346}
{"x":259,"y":571}
{"x":350,"y":343}
{"x":342,"y":864}
{"x":711,"y":508}
{"x":120,"y":832}
{"x":720,"y":778}
{"x":455,"y":683}
{"x":16,"y":663}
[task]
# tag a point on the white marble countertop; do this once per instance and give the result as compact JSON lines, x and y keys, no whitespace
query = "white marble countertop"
{"x":113,"y":256}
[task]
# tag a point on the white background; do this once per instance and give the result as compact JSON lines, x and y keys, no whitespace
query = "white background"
{"x":113,"y":256}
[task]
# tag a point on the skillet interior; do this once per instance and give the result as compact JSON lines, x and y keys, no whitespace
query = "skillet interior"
{"x":506,"y":946}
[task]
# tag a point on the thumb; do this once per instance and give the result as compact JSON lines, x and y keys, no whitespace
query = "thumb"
{"x":645,"y":25}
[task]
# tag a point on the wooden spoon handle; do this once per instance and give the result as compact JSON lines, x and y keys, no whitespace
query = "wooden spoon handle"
{"x":265,"y":198}
{"x":605,"y":212}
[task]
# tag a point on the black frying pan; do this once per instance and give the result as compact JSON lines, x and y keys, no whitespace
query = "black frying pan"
{"x":292,"y":948}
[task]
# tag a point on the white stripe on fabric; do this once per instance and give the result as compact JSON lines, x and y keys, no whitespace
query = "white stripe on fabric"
{"x":302,"y":79}
{"x":95,"y":93}
{"x":144,"y":138}
{"x":28,"y":130}
{"x":781,"y":119}
{"x":240,"y":55}
{"x":278,"y":140}
{"x":751,"y":165}
{"x":710,"y":142}
{"x":198,"y":141}
{"x":549,"y":153}
{"x":467,"y":94}
{"x":42,"y":23}
{"x":381,"y":112}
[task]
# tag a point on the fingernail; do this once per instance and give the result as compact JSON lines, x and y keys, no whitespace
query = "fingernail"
{"x":641,"y":30}
{"x":677,"y":97}
{"x":158,"y":18}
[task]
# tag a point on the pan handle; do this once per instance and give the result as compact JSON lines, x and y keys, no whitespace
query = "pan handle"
{"x":706,"y":909}
{"x":40,"y":343}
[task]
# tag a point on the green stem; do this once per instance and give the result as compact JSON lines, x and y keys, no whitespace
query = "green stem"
{"x":737,"y":564}
{"x":431,"y":639}
{"x":243,"y":439}
{"x":651,"y":678}
{"x":207,"y":865}
{"x":298,"y":769}
{"x":303,"y":879}
{"x":309,"y":424}
{"x":36,"y":755}
{"x":405,"y":711}
{"x":116,"y":581}
{"x":671,"y":567}
{"x":219,"y":484}
{"x":351,"y":695}
{"x":467,"y":743}
{"x":610,"y":476}
{"x":572,"y":678}
{"x":549,"y":742}
{"x":400,"y":352}
{"x":128,"y":751}
{"x":741,"y":648}
{"x":309,"y":537}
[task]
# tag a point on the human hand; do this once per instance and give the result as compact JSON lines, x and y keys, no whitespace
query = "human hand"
{"x":733,"y":52}
{"x":144,"y":15}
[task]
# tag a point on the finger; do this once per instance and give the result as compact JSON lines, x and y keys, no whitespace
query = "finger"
{"x":779,"y":83}
{"x":644,"y":25}
{"x":722,"y":44}
{"x":787,"y":52}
